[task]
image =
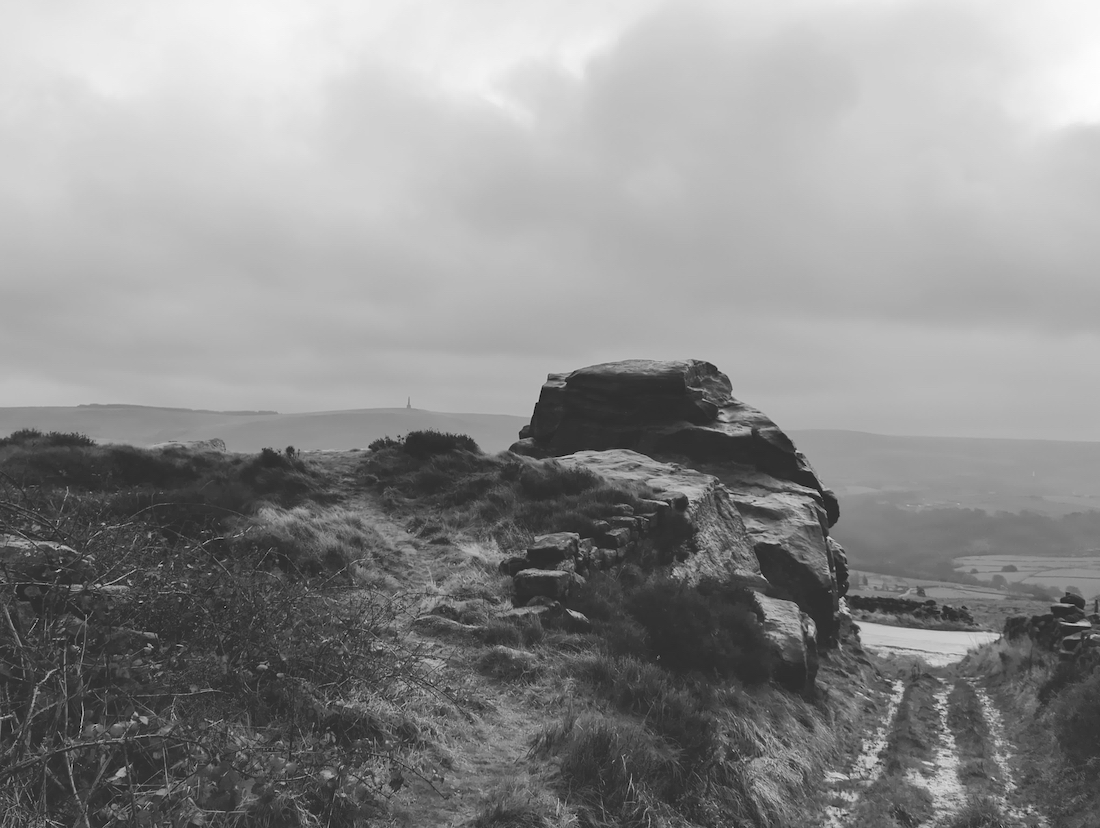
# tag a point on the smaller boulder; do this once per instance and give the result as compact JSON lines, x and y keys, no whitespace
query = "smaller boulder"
{"x":623,"y":522}
{"x":621,"y":510}
{"x":43,"y":562}
{"x":1075,"y":599}
{"x":613,"y":539}
{"x":549,"y":550}
{"x":576,"y":622}
{"x":516,"y":563}
{"x":542,"y":611}
{"x":791,"y":633}
{"x":551,"y":583}
{"x":1067,"y":612}
{"x":443,"y":627}
{"x":657,"y":507}
{"x":542,"y":601}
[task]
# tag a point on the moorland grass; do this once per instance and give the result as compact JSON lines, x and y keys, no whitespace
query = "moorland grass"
{"x":977,"y":764}
{"x":208,"y":687}
{"x":506,"y":497}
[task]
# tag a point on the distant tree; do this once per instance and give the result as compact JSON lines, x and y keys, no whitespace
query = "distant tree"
{"x":291,"y":452}
{"x":864,"y":581}
{"x":999,"y":581}
{"x":1009,"y":568}
{"x":974,"y":570}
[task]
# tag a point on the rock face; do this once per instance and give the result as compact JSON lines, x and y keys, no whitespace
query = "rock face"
{"x":683,"y":413}
{"x":793,"y":639}
{"x":719,"y":546}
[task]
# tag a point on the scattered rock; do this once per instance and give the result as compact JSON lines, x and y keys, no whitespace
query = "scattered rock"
{"x":792,"y":636}
{"x":516,"y":563}
{"x":42,"y":562}
{"x":716,"y":543}
{"x":623,"y":522}
{"x":550,"y":583}
{"x":542,"y":601}
{"x":509,"y":664}
{"x":575,"y":622}
{"x":442,"y":627}
{"x":613,"y":539}
{"x":1075,"y":599}
{"x":472,"y":612}
{"x":1068,"y":612}
{"x":549,"y":550}
{"x":543,"y":612}
{"x":213,"y":444}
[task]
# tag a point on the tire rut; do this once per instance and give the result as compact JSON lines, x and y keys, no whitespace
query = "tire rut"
{"x":941,"y":780}
{"x":1021,"y":814}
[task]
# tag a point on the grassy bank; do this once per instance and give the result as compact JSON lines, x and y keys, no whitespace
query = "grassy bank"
{"x":1052,"y":716}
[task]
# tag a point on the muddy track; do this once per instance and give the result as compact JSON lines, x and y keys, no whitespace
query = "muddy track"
{"x":935,"y":757}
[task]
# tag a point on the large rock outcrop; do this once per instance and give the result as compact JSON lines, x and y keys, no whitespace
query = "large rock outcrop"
{"x":719,"y":545}
{"x":683,"y":412}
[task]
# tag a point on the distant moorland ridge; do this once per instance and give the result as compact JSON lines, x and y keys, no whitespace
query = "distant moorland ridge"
{"x":251,"y":431}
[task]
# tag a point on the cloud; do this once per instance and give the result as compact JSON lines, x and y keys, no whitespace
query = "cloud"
{"x":312,"y":206}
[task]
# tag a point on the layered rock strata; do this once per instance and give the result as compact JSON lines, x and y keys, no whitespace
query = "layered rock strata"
{"x":682,"y":415}
{"x":718,"y":545}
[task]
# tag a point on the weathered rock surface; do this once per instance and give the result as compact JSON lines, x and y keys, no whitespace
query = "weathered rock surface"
{"x":793,"y":639}
{"x":548,"y":551}
{"x":44,"y":562}
{"x":719,"y":546}
{"x":213,"y":444}
{"x":683,"y":412}
{"x":682,"y":407}
{"x":551,"y":583}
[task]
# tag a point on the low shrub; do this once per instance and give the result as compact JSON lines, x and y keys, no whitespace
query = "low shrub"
{"x":52,"y":439}
{"x":710,"y":628}
{"x":429,"y":443}
{"x":501,"y":633}
{"x":1076,"y":717}
{"x":619,"y":769}
{"x":979,"y":813}
{"x":520,"y":804}
{"x":385,"y":443}
{"x":509,"y":664}
{"x":507,"y":498}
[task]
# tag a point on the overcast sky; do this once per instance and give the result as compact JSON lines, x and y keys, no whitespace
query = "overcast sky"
{"x":880,"y":215}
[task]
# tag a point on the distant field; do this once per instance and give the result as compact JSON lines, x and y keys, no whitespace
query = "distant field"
{"x":1059,"y":572}
{"x":990,"y":607}
{"x":943,"y":591}
{"x":1048,"y":477}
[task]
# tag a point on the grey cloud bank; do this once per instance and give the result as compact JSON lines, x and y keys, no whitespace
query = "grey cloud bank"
{"x":848,"y":206}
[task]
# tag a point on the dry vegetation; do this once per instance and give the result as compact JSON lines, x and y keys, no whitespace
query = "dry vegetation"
{"x":252,"y":642}
{"x":1053,"y":716}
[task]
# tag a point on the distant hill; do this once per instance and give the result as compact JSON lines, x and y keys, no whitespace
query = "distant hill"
{"x":1046,"y":476}
{"x":911,"y":505}
{"x":251,"y":431}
